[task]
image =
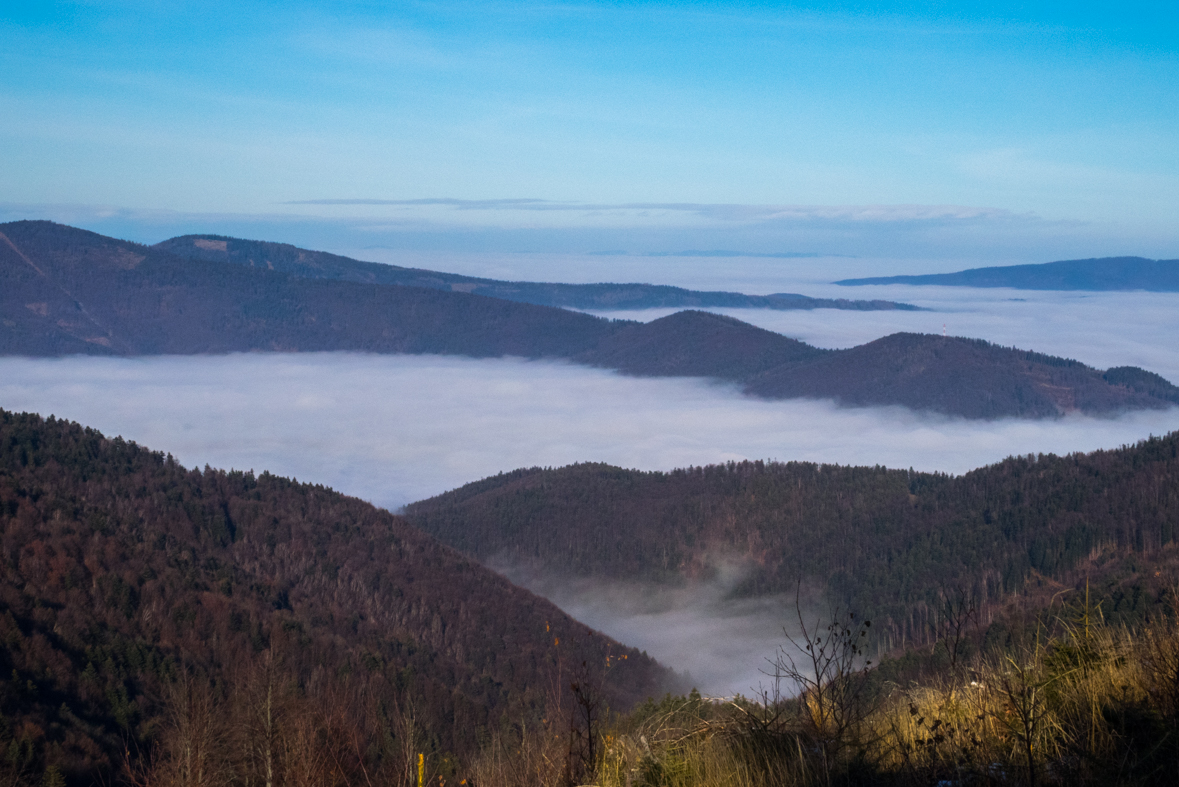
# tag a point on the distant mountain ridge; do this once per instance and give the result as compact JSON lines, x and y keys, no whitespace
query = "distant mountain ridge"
{"x":66,"y":291}
{"x":962,"y":376}
{"x":71,"y":291}
{"x":603,"y":297}
{"x":1097,"y":274}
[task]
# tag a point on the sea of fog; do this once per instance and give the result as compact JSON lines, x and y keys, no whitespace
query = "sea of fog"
{"x":1101,"y":329}
{"x":393,"y":429}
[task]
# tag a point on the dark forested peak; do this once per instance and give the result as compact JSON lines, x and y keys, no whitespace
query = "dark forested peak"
{"x":1143,"y":382}
{"x":1101,"y":273}
{"x":58,"y":249}
{"x":528,"y":478}
{"x":42,"y":231}
{"x":955,"y":376}
{"x":934,"y":346}
{"x":122,"y":572}
{"x":696,"y":343}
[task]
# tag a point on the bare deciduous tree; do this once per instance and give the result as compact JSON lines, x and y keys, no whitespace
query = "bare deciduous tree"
{"x":825,"y":665}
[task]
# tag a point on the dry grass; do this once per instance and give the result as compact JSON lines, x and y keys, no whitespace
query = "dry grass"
{"x":1079,"y":704}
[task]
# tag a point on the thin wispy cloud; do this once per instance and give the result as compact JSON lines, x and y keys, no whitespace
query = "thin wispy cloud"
{"x":459,"y":204}
{"x":984,"y":235}
{"x":718,"y":211}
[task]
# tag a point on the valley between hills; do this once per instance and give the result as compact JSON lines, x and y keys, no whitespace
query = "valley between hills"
{"x":888,"y":540}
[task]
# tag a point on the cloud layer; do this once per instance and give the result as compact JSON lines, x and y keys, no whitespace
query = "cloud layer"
{"x":980,"y":235}
{"x":723,"y":212}
{"x":393,"y":429}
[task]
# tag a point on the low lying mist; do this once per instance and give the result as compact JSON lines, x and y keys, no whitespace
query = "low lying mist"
{"x":724,"y":645}
{"x":394,"y":429}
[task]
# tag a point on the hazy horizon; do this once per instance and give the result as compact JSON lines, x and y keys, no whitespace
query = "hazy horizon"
{"x":992,"y":131}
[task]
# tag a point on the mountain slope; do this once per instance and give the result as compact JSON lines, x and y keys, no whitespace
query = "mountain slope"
{"x":71,"y":291}
{"x":698,"y":344}
{"x":887,"y":542}
{"x":322,"y":265}
{"x":966,"y":377}
{"x":1098,"y":274}
{"x":122,"y":572}
{"x":76,"y":291}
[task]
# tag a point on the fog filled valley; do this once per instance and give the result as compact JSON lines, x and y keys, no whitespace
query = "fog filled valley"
{"x":393,"y":429}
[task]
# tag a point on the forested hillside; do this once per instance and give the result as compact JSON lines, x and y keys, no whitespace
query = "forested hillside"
{"x":69,"y":291}
{"x":132,"y":588}
{"x":967,"y":377}
{"x":699,"y":344}
{"x":889,"y":543}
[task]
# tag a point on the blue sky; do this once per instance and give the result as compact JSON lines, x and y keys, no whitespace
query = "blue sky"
{"x":1009,"y":131}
